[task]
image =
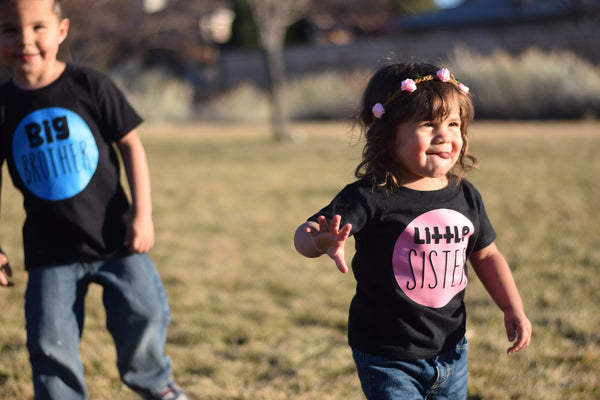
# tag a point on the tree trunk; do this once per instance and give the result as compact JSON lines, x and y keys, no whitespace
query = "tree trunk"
{"x":275,"y":68}
{"x":272,"y":18}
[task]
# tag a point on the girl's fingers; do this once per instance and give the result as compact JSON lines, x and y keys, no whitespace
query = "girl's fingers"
{"x":310,"y":230}
{"x":335,"y":224}
{"x":340,"y":262}
{"x":345,"y":232}
{"x":323,"y":226}
{"x":523,"y":335}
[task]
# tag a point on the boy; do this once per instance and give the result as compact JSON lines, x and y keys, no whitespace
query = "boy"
{"x":57,"y":126}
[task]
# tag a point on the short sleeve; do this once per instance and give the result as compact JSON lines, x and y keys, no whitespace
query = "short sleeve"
{"x":117,"y":115}
{"x":487,"y":234}
{"x":350,"y":204}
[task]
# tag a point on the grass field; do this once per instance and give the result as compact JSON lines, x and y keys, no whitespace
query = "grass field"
{"x":254,"y":320}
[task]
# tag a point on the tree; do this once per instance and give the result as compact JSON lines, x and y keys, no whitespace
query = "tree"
{"x":272,"y":18}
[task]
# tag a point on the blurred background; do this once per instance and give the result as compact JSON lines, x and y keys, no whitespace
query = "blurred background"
{"x":235,"y":60}
{"x":251,"y":318}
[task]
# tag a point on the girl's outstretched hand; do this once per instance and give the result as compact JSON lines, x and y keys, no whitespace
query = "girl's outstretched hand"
{"x":330,"y":239}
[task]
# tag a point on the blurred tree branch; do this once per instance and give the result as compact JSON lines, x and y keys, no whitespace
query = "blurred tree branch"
{"x":272,"y":18}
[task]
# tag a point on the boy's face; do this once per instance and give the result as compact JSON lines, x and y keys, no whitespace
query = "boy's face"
{"x":30,"y":34}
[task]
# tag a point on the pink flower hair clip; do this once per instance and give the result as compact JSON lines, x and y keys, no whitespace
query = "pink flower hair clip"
{"x":410,"y":85}
{"x":378,"y":110}
{"x":443,"y":74}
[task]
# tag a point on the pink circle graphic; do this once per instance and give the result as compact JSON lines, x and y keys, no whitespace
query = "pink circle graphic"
{"x":429,"y":257}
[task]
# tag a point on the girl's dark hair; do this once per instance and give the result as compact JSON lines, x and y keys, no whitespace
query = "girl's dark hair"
{"x":431,"y":101}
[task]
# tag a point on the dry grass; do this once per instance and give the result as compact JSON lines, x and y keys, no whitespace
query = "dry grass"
{"x":254,"y":320}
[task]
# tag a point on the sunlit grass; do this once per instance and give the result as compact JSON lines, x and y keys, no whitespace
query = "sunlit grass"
{"x":254,"y":320}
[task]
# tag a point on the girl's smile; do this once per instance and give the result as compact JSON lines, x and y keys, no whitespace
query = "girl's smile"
{"x":441,"y":154}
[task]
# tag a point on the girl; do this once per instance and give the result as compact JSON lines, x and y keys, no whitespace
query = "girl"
{"x":416,"y":222}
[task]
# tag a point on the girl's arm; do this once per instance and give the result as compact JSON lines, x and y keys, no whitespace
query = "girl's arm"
{"x":140,"y":232}
{"x":313,"y":240}
{"x":493,"y":271}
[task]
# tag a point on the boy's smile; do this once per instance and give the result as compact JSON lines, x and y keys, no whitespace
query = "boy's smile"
{"x":27,"y":57}
{"x":30,"y":35}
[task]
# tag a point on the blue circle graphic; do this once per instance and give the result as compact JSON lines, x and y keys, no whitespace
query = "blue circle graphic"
{"x":55,"y":153}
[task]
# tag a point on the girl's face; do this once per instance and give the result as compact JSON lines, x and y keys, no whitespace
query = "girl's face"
{"x":427,"y":150}
{"x":30,"y":34}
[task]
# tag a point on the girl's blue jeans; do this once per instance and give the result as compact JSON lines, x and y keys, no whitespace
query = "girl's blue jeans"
{"x":442,"y":377}
{"x":137,"y":316}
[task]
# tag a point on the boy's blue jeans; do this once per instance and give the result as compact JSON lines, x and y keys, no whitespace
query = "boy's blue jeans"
{"x":137,"y":316}
{"x":442,"y":377}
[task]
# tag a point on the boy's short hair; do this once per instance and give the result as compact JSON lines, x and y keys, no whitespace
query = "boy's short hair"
{"x":56,"y":5}
{"x":58,"y":9}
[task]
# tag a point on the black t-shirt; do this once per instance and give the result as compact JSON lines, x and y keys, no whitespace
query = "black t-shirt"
{"x":58,"y":143}
{"x":410,"y":265}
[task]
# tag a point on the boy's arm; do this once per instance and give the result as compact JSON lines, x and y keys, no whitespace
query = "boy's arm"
{"x":313,"y":240}
{"x":140,"y":232}
{"x":5,"y":270}
{"x":493,"y":271}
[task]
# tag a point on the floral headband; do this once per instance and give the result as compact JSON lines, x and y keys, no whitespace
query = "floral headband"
{"x":410,"y":85}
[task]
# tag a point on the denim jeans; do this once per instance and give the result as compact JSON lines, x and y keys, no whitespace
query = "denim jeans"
{"x":137,"y":316}
{"x":442,"y":377}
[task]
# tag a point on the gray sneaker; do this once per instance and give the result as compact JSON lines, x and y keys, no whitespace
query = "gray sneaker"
{"x":170,"y":391}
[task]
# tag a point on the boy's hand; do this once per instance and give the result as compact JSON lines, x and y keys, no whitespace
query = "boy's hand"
{"x":5,"y":271}
{"x":330,"y":240}
{"x":139,"y":237}
{"x":517,"y":327}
